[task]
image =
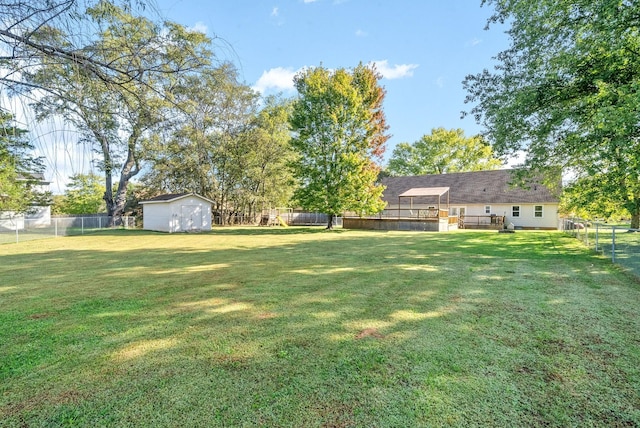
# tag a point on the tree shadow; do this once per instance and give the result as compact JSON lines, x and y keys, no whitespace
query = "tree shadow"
{"x":324,"y":321}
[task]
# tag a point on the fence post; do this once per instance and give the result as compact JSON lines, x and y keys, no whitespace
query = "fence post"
{"x":586,"y":234}
{"x":597,"y":228}
{"x":56,"y":227}
{"x":17,"y":234}
{"x":613,"y":245}
{"x":82,"y":225}
{"x":99,"y":222}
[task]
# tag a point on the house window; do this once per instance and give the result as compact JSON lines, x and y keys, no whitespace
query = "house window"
{"x":537,"y":211}
{"x":487,"y":209}
{"x":454,"y":211}
{"x":515,"y":211}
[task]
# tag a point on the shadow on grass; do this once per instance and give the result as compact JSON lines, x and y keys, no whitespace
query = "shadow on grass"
{"x":302,"y":325}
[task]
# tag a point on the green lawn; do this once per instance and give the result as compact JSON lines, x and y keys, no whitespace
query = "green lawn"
{"x":302,"y":327}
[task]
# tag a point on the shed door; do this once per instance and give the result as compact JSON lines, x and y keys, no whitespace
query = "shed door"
{"x":191,"y":217}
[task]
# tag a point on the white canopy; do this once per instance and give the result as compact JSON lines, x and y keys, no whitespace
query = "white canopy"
{"x":425,"y":191}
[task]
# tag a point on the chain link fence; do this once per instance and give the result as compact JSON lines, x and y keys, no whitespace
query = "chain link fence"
{"x":616,"y":241}
{"x":18,"y":229}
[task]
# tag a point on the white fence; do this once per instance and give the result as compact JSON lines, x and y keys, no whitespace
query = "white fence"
{"x":618,"y":242}
{"x":20,"y":229}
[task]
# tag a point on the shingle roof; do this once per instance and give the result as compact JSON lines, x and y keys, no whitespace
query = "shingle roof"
{"x":33,"y":176}
{"x":170,"y":197}
{"x":167,"y":197}
{"x":481,"y":187}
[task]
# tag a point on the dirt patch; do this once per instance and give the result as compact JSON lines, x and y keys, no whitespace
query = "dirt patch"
{"x":40,"y":316}
{"x":369,"y":332}
{"x":43,"y":399}
{"x":336,"y":414}
{"x":267,"y":315}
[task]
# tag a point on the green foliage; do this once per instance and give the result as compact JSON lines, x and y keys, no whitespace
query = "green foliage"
{"x":583,"y":198}
{"x":224,"y":147}
{"x":18,"y":187}
{"x":118,"y":112}
{"x":441,"y":152}
{"x":565,"y":92}
{"x":84,"y":195}
{"x":339,"y":130}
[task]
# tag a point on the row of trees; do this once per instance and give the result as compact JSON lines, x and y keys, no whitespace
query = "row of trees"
{"x":152,"y":99}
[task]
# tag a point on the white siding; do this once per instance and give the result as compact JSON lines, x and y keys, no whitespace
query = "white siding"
{"x":180,"y":215}
{"x":156,"y":217}
{"x":39,"y":217}
{"x":549,"y":219}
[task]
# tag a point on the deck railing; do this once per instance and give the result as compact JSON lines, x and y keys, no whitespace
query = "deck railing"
{"x":482,"y":221}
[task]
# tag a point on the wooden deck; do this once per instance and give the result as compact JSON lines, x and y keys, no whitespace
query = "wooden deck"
{"x":424,"y":224}
{"x":491,"y":222}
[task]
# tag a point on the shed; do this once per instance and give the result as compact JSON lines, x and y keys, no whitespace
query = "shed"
{"x":177,"y":212}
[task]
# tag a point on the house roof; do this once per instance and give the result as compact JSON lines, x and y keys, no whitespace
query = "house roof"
{"x":170,"y":197}
{"x":33,"y":176}
{"x":480,"y":187}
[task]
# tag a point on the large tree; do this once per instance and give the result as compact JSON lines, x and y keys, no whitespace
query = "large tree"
{"x":566,"y":92}
{"x":222,"y":145}
{"x":118,"y":118}
{"x":339,"y":134}
{"x":19,"y":168}
{"x":268,"y":181}
{"x":441,"y":152}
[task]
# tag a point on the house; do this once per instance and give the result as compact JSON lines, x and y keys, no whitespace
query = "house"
{"x":482,"y":199}
{"x":177,"y":212}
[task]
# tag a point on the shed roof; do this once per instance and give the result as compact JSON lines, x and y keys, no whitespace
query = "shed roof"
{"x":170,"y":197}
{"x":479,"y":187}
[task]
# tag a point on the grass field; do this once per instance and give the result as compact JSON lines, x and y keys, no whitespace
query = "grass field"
{"x":302,"y":327}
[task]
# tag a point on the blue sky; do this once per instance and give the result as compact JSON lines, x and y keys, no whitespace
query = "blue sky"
{"x":423,"y":48}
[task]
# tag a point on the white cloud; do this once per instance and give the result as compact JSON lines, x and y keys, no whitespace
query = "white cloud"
{"x":474,"y":42}
{"x":275,"y":12}
{"x":397,"y":71}
{"x":279,"y":78}
{"x":199,"y":27}
{"x":440,"y":81}
{"x":361,"y":33}
{"x":309,"y":1}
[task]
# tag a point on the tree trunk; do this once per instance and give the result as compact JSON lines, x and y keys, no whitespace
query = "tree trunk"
{"x":130,"y":168}
{"x":635,"y":220}
{"x":330,"y":222}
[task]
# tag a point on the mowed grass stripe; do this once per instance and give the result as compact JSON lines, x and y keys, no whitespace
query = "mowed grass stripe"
{"x":304,"y":327}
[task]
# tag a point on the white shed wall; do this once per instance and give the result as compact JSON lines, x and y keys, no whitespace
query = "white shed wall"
{"x":181,"y":215}
{"x":156,"y":217}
